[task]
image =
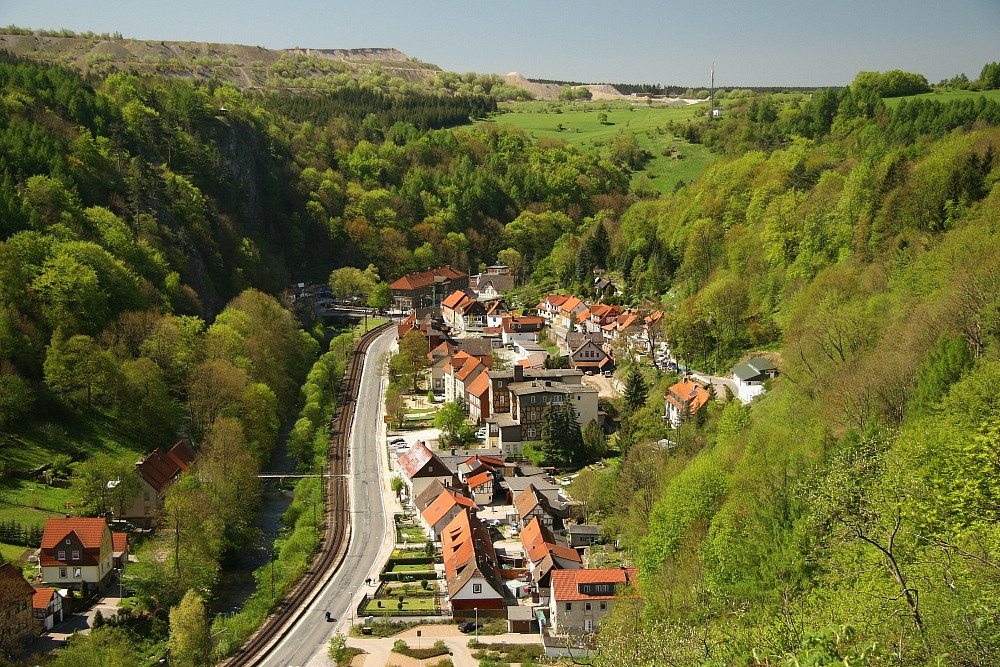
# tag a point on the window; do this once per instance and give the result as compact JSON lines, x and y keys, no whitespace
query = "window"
{"x":76,"y":555}
{"x":588,"y":625}
{"x":62,"y":573}
{"x":60,"y":555}
{"x":569,"y":606}
{"x":477,"y":588}
{"x":586,"y":606}
{"x":77,"y":573}
{"x":145,"y":495}
{"x":604,"y":606}
{"x":531,"y":434}
{"x":67,"y":541}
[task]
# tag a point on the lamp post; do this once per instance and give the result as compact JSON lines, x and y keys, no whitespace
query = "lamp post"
{"x":476,"y":609}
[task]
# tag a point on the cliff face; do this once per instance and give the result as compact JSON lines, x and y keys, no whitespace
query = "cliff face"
{"x":240,"y":65}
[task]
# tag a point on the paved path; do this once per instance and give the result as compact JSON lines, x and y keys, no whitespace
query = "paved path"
{"x":81,"y":622}
{"x":379,"y":649}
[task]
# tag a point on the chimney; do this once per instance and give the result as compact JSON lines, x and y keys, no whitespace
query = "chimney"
{"x":518,"y":372}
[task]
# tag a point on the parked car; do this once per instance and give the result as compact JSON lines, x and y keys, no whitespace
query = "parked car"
{"x":482,"y":433}
{"x":396,"y":442}
{"x":469,"y":626}
{"x":608,"y":374}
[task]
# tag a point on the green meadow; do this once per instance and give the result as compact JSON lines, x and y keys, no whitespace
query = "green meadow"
{"x":590,"y":125}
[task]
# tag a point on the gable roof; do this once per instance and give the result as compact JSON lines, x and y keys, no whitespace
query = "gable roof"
{"x":539,"y":542}
{"x":566,"y":583}
{"x":119,"y":542}
{"x":90,"y":532}
{"x":478,"y":480}
{"x":159,"y":470}
{"x":529,"y":499}
{"x":429,"y":495}
{"x":424,"y":278}
{"x":14,"y":582}
{"x":467,"y":551}
{"x":417,"y":458}
{"x":443,"y":504}
{"x":42,"y":596}
{"x":753,"y":368}
{"x":470,"y":368}
{"x":480,"y":386}
{"x":454,"y":299}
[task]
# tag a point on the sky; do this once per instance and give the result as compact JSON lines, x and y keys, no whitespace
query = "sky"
{"x":752,"y":42}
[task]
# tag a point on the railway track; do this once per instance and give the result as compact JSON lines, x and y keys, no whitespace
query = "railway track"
{"x":336,"y":519}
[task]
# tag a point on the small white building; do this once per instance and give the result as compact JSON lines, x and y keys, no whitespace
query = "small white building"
{"x":751,"y":376}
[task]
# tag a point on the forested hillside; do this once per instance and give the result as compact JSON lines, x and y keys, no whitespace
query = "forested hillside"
{"x":147,"y":224}
{"x":850,"y":515}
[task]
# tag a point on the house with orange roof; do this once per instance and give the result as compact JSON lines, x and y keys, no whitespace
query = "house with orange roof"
{"x":482,"y":485}
{"x":550,"y":307}
{"x":419,"y":467}
{"x":463,"y":312}
{"x":496,"y":311}
{"x":472,"y":572}
{"x":569,"y":309}
{"x":426,"y":289}
{"x":580,"y":599}
{"x":458,"y":379}
{"x":590,"y":358}
{"x":443,"y":510}
{"x":46,"y":608}
{"x":478,"y":398}
{"x":77,"y":553}
{"x":544,"y":554}
{"x":438,"y":358}
{"x":16,"y":595}
{"x":684,"y":399}
{"x":156,"y":472}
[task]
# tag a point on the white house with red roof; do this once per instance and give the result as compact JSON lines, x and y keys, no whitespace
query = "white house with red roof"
{"x":77,"y":553}
{"x":523,"y":327}
{"x":463,"y":312}
{"x":580,"y":599}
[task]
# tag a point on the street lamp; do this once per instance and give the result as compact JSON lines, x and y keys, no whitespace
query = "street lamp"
{"x":476,"y":609}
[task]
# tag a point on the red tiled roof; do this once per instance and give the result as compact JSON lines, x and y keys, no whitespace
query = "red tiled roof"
{"x":119,"y":542}
{"x":480,"y":386}
{"x":478,"y":480}
{"x":538,"y":542}
{"x":89,"y":531}
{"x":566,"y":583}
{"x":424,"y":278}
{"x":570,"y":304}
{"x":443,"y":504}
{"x":160,"y":470}
{"x":470,"y":368}
{"x":485,"y":460}
{"x":42,"y":597}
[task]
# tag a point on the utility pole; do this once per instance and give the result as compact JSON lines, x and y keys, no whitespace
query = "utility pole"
{"x":711,"y":96}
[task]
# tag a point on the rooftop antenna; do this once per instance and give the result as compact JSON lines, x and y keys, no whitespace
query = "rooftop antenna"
{"x":711,"y":96}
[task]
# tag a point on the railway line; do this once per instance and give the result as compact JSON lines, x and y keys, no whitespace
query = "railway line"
{"x":337,"y":522}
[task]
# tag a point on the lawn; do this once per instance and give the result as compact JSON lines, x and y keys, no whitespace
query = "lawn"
{"x":412,"y":567}
{"x":412,"y":534}
{"x":428,"y":604}
{"x":581,"y":124}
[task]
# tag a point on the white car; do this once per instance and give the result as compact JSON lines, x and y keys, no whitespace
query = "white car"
{"x":482,"y":433}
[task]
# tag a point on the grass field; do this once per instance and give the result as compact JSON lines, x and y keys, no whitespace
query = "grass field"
{"x":582,"y":125}
{"x":11,"y":551}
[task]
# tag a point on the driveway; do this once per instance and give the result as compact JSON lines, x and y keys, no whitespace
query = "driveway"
{"x":81,"y":622}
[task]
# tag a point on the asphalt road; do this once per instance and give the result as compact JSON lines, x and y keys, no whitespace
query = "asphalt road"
{"x":371,"y":531}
